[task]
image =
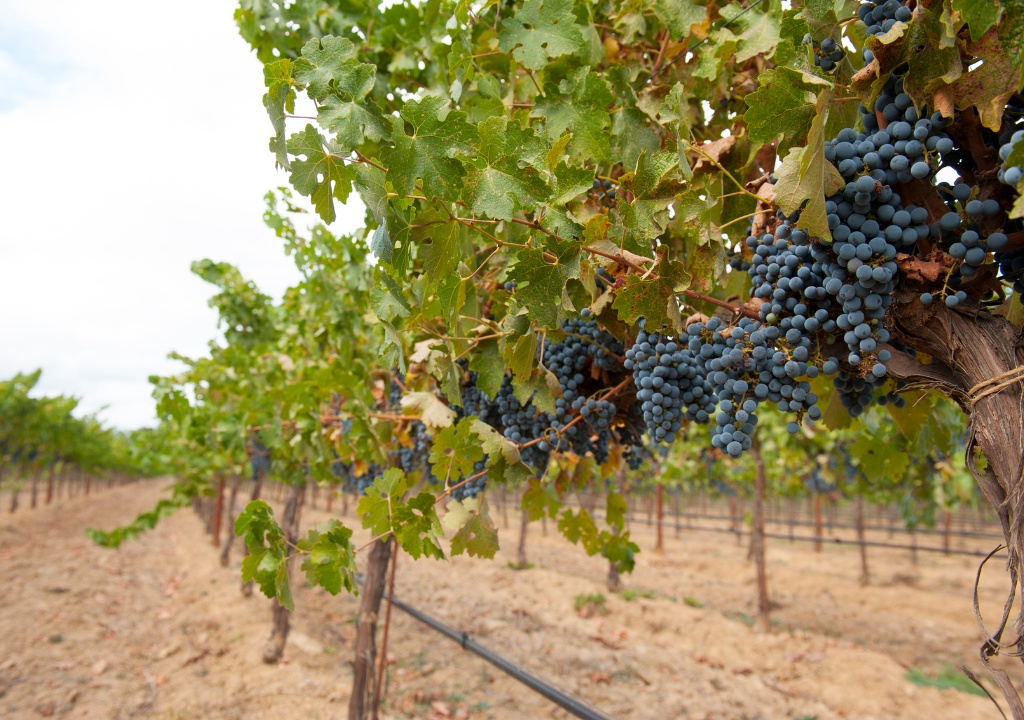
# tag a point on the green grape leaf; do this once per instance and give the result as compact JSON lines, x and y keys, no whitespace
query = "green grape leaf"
{"x":331,"y":560}
{"x":353,"y":122}
{"x":678,"y":15}
{"x":279,"y":101}
{"x":455,"y":450}
{"x":779,"y":108}
{"x":579,"y":529}
{"x":584,"y":112}
{"x":322,"y":175}
{"x":541,"y":275}
{"x":265,"y":540}
{"x":758,"y":31}
{"x":375,"y":506}
{"x":486,"y":362}
{"x":720,"y":48}
{"x":329,"y":63}
{"x":570,"y":182}
{"x":540,"y":500}
{"x":475,"y":533}
{"x":806,"y":178}
{"x":619,"y":549}
{"x":541,"y":388}
{"x":616,"y":509}
{"x":387,"y":300}
{"x":541,"y":30}
{"x":417,"y":527}
{"x":494,"y":443}
{"x":429,"y":153}
{"x":439,"y":239}
{"x":507,"y":183}
{"x":654,"y":298}
{"x":979,"y":15}
{"x":654,"y":185}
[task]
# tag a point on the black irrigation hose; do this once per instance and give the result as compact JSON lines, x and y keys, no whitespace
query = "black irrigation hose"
{"x":832,"y":540}
{"x":572,"y":705}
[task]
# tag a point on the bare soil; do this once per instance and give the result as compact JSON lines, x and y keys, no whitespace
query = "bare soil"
{"x":158,"y":629}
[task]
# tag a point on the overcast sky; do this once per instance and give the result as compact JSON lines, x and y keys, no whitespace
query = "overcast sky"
{"x":133,"y":142}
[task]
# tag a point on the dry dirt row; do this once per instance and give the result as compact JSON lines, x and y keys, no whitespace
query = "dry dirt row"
{"x":158,"y":629}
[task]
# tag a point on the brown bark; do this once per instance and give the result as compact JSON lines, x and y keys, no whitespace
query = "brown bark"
{"x":280,"y":618}
{"x":524,"y":525}
{"x":947,"y":527}
{"x":865,"y":576}
{"x":218,"y":512}
{"x":659,"y":543}
{"x":757,"y":540}
{"x":676,"y":502}
{"x":817,"y":522}
{"x":366,"y":630}
{"x":49,"y":486}
{"x":969,"y":349}
{"x":35,"y":490}
{"x":225,"y":550}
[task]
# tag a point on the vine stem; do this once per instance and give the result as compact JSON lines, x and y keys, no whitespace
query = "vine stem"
{"x":387,"y":626}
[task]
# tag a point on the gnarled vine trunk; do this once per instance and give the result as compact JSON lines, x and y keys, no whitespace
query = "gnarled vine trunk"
{"x":280,"y":619}
{"x":360,"y":706}
{"x":968,"y":352}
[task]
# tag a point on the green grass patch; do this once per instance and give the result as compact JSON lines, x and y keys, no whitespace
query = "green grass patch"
{"x":591,"y":604}
{"x":693,"y":602}
{"x":949,"y":678}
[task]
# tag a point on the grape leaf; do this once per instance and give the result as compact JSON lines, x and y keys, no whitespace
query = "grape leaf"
{"x":779,"y":108}
{"x":654,"y":185}
{"x":432,"y":410}
{"x":541,"y":30}
{"x":678,"y":15}
{"x":417,"y":527}
{"x":322,"y":175}
{"x":439,"y":241}
{"x":806,"y":178}
{"x":506,"y":184}
{"x":429,"y":153}
{"x":279,"y":100}
{"x":488,"y":366}
{"x":475,"y":533}
{"x":454,"y":452}
{"x":979,"y":15}
{"x":541,"y":275}
{"x":375,"y":506}
{"x":331,"y":562}
{"x":584,"y":112}
{"x":329,"y":63}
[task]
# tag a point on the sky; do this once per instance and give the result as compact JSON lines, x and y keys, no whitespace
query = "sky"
{"x":133,"y":141}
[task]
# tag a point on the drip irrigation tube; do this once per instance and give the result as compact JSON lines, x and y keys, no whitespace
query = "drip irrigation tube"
{"x":573,"y":706}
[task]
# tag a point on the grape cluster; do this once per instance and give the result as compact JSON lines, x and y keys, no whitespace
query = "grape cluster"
{"x":473,"y":487}
{"x":603,"y":192}
{"x":881,"y":16}
{"x":259,"y":458}
{"x":523,"y":423}
{"x":828,"y":55}
{"x":1010,"y":175}
{"x":670,"y":386}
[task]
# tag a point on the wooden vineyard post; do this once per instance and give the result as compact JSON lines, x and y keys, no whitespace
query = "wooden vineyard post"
{"x":225,"y":550}
{"x":757,"y":544}
{"x":734,"y":521}
{"x":659,"y":544}
{"x":676,"y":502}
{"x":865,"y":576}
{"x":50,"y":476}
{"x":504,"y":506}
{"x":280,"y":617}
{"x":366,"y":630}
{"x":330,"y":497}
{"x":35,"y":489}
{"x":524,"y":524}
{"x":947,"y":527}
{"x":218,"y":512}
{"x":817,"y":522}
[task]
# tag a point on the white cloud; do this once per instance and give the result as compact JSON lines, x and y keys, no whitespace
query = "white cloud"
{"x":135,"y":144}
